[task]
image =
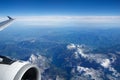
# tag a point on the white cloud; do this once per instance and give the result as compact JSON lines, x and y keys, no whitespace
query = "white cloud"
{"x":67,"y":20}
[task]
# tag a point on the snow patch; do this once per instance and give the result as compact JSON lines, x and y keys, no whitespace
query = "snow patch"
{"x":1,"y":59}
{"x":71,"y":46}
{"x":91,"y":73}
{"x":81,"y":52}
{"x":102,"y":59}
{"x":106,"y":63}
{"x":41,"y":61}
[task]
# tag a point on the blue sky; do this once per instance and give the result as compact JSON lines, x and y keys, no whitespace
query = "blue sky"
{"x":60,"y":7}
{"x":62,"y":12}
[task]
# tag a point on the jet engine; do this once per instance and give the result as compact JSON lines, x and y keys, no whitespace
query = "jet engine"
{"x":18,"y":70}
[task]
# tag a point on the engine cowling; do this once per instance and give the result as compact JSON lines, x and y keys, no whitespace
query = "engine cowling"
{"x":18,"y":70}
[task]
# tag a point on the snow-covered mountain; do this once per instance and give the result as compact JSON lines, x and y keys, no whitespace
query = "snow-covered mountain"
{"x":83,"y":64}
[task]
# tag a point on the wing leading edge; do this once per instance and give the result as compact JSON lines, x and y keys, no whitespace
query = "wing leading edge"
{"x":6,"y":23}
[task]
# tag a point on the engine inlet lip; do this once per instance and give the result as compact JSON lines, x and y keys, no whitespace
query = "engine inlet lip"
{"x":24,"y":69}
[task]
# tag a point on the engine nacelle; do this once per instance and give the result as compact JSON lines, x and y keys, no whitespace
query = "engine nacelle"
{"x":18,"y":70}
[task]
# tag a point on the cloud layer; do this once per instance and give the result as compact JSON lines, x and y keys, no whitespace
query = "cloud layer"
{"x":67,"y":20}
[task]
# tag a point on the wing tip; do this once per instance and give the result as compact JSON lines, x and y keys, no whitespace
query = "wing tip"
{"x":9,"y":17}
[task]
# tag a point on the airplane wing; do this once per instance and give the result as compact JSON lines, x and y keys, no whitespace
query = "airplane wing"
{"x":4,"y":24}
{"x":15,"y":69}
